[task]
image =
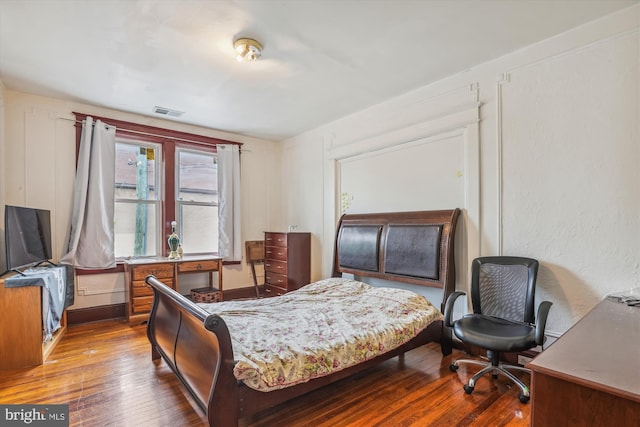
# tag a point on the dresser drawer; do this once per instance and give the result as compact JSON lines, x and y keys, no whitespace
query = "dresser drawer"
{"x":159,"y":270}
{"x":275,"y":239}
{"x":275,"y":252}
{"x":189,"y":266}
{"x":141,"y":304}
{"x":279,"y":267}
{"x":274,"y":290}
{"x":275,"y":280}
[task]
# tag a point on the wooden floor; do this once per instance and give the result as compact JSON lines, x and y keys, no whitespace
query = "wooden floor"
{"x":105,"y":373}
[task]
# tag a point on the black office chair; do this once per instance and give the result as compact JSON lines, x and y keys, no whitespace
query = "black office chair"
{"x":502,"y":297}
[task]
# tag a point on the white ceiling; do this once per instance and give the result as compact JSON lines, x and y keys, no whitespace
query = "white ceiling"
{"x":322,"y":59}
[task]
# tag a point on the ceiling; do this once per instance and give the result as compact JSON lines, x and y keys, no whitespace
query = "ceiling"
{"x":322,"y":59}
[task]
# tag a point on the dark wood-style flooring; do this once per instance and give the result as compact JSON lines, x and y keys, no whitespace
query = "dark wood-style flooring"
{"x":105,"y":373}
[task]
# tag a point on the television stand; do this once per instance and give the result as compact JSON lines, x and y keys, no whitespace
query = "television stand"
{"x":21,"y":340}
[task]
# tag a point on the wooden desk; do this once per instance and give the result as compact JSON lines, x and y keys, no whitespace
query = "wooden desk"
{"x":590,"y":375}
{"x":140,"y":296}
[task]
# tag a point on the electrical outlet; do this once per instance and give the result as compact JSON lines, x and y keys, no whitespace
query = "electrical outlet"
{"x":523,"y":360}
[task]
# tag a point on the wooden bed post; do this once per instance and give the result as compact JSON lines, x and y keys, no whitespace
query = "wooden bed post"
{"x":223,"y":408}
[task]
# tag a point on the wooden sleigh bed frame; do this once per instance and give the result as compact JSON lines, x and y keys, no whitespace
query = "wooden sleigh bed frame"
{"x":408,"y":247}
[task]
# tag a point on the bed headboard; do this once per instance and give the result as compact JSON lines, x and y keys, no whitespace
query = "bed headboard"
{"x":410,"y":247}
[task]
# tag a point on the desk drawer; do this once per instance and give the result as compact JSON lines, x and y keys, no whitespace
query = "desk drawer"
{"x":141,"y":291}
{"x":189,"y":266}
{"x":142,"y":304}
{"x":159,"y":270}
{"x":275,"y":239}
{"x":140,"y":288}
{"x":279,"y":267}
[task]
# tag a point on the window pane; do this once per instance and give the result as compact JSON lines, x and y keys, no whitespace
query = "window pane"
{"x":199,"y":228}
{"x":197,"y":177}
{"x":135,"y":229}
{"x":135,"y":172}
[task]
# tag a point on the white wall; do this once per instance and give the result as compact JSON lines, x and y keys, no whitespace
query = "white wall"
{"x":39,"y":169}
{"x":552,"y":173}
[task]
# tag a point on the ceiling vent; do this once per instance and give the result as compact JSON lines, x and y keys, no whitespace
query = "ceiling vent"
{"x":167,"y":111}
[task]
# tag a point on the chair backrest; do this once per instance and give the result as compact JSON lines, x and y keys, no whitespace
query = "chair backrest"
{"x":504,"y":287}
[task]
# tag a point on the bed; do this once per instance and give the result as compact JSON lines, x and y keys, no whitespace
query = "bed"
{"x":406,"y":247}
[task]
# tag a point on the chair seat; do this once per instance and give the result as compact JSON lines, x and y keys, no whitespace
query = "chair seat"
{"x":494,"y":334}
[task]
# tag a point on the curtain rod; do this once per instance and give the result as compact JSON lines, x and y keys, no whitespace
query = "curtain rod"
{"x":152,"y":134}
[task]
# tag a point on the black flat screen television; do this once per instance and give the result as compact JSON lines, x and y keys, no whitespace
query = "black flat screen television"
{"x":27,"y":236}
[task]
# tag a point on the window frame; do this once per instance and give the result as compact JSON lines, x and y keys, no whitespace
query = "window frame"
{"x":170,"y":140}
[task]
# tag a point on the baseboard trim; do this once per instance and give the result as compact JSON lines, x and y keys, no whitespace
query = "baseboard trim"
{"x":118,"y":311}
{"x":241,"y":293}
{"x":96,"y":314}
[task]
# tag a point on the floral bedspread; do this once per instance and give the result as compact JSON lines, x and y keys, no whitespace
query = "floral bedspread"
{"x":321,"y":328}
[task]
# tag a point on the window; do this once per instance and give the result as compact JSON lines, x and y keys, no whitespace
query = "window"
{"x":163,"y":175}
{"x":137,"y":199}
{"x":197,"y":200}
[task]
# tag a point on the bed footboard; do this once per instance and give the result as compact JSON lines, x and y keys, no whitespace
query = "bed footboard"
{"x":197,"y":347}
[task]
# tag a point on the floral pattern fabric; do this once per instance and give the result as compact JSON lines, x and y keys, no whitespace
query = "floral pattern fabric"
{"x":319,"y":329}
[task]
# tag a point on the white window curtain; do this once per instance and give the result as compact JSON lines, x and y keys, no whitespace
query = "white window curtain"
{"x":229,"y":240}
{"x":92,"y":229}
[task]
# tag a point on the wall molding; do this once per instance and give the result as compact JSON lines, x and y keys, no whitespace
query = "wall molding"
{"x":421,"y":105}
{"x":503,"y":79}
{"x":86,"y":291}
{"x":462,"y":122}
{"x":447,"y":121}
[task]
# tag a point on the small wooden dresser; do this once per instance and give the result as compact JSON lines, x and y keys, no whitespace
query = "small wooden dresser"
{"x":287,"y":263}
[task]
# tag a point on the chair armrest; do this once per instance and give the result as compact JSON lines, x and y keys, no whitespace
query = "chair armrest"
{"x":541,"y":321}
{"x":448,"y":308}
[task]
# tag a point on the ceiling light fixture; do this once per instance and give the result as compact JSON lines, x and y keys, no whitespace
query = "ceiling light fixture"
{"x":247,"y":49}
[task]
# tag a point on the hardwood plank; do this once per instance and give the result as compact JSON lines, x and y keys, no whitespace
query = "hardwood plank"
{"x":105,"y":373}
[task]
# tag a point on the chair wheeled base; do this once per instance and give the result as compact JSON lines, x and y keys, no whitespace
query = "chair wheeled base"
{"x":495,"y":368}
